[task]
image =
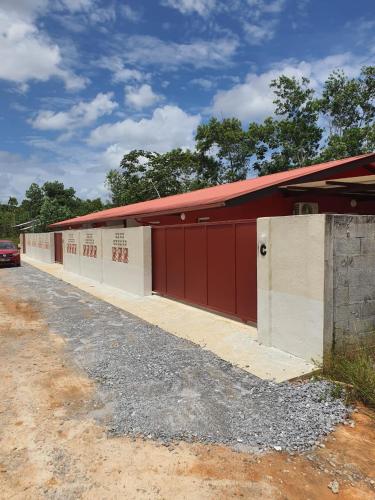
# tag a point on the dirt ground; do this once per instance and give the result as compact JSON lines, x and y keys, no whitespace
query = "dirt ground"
{"x":50,"y":447}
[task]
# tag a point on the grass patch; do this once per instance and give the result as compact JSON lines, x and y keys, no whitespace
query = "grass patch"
{"x":355,"y":371}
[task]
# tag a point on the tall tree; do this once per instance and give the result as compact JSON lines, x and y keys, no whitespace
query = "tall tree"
{"x":348,"y":108}
{"x":227,"y":141}
{"x":145,"y":175}
{"x":33,"y":200}
{"x":291,"y":139}
{"x":56,"y":191}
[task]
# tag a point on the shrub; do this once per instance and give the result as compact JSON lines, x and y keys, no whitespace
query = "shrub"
{"x":355,"y":369}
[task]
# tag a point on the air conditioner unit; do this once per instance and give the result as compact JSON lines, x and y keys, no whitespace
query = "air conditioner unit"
{"x":305,"y":208}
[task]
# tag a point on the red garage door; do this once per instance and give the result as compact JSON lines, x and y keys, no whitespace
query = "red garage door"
{"x":212,"y":265}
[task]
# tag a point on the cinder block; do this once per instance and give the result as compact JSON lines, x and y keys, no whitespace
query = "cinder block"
{"x":363,"y":262}
{"x":341,"y":278}
{"x":358,"y":325}
{"x":361,"y":277}
{"x":343,"y":263}
{"x":347,"y":246}
{"x":354,"y":226}
{"x":360,"y":294}
{"x":368,"y":246}
{"x":368,"y":309}
{"x":341,"y":296}
{"x":343,"y":313}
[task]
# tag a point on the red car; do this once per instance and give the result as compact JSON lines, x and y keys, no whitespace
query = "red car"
{"x":9,"y":253}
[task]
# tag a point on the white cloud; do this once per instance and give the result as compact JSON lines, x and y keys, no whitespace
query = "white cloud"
{"x":23,"y":9}
{"x":75,"y":166}
{"x":141,"y":97}
{"x":148,"y":50}
{"x":204,"y":83}
{"x":261,"y":20}
{"x":120,"y":72}
{"x":26,"y":54}
{"x":260,"y":7}
{"x":131,"y":14}
{"x":75,"y":5}
{"x":253,"y":99}
{"x":79,"y":115}
{"x":168,"y":127}
{"x":201,"y":7}
{"x":256,"y":34}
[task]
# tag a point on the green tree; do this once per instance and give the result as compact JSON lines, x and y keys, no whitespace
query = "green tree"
{"x":12,"y":203}
{"x":291,"y":139}
{"x":227,"y":141}
{"x":58,"y":192}
{"x":52,"y":211}
{"x":348,"y":108}
{"x":33,"y":200}
{"x":89,"y":206}
{"x":145,"y":175}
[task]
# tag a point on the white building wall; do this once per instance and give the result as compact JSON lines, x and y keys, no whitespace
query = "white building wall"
{"x":291,"y":283}
{"x":127,"y":259}
{"x":118,"y":257}
{"x":71,"y":251}
{"x":40,"y":246}
{"x":91,"y":265}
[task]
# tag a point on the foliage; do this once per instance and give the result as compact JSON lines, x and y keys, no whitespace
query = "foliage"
{"x":356,"y":369}
{"x":144,"y":175}
{"x":292,"y":138}
{"x":33,"y":200}
{"x":305,"y":128}
{"x":45,"y":204}
{"x":230,"y":143}
{"x":348,"y":106}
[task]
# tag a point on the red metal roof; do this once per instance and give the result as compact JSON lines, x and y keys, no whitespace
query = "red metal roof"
{"x":213,"y":196}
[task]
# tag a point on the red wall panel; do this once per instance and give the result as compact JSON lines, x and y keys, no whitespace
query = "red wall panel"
{"x":196,"y":264}
{"x":221,"y":266}
{"x":246,"y":271}
{"x":159,"y":274}
{"x":211,"y":265}
{"x":175,"y":262}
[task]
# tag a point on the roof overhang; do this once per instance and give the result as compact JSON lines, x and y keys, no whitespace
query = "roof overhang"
{"x":362,"y":187}
{"x":310,"y":177}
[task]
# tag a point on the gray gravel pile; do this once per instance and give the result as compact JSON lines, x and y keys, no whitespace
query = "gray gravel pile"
{"x":163,"y":387}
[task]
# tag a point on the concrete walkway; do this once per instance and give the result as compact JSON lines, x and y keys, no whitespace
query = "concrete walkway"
{"x":230,"y":340}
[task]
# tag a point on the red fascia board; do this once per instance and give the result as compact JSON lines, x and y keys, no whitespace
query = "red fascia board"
{"x":209,"y":197}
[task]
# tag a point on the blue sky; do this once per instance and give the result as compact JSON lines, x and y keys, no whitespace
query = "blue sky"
{"x":84,"y":81}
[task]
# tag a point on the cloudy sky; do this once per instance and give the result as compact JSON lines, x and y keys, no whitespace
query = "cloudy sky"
{"x":84,"y":81}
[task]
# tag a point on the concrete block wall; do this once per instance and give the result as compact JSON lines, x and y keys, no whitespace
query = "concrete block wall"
{"x":40,"y":246}
{"x":353,"y":279}
{"x":118,"y":257}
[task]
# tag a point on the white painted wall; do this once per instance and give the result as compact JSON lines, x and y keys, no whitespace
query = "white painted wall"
{"x":40,"y":246}
{"x":291,"y":284}
{"x":91,"y":254}
{"x":127,"y":259}
{"x":118,"y":257}
{"x":71,"y":251}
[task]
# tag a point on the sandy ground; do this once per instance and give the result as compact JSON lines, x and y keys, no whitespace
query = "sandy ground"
{"x":51,"y":448}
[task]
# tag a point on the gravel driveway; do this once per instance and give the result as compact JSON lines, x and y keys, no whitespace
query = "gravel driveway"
{"x":154,"y":384}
